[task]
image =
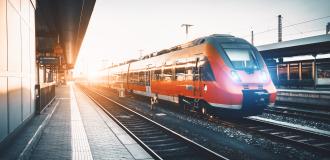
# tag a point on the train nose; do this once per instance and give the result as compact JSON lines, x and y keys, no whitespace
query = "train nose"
{"x":253,"y":78}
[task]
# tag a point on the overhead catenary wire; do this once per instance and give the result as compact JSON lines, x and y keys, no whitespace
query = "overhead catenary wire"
{"x":310,"y":31}
{"x":306,"y":21}
{"x":291,"y":25}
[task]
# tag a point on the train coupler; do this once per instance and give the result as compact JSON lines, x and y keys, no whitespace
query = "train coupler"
{"x":255,"y":100}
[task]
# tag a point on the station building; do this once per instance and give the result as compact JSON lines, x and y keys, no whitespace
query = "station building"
{"x":17,"y":64}
{"x":299,"y":63}
{"x":39,"y":43}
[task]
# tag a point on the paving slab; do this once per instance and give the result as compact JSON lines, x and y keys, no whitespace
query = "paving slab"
{"x":21,"y":144}
{"x":106,"y":138}
{"x":73,"y":127}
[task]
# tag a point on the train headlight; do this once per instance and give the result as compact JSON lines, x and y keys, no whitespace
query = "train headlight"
{"x":263,"y":76}
{"x":234,"y":76}
{"x":205,"y":87}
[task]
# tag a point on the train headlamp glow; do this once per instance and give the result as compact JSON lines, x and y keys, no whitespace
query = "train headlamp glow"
{"x":263,"y":76}
{"x":234,"y":76}
{"x":205,"y":87}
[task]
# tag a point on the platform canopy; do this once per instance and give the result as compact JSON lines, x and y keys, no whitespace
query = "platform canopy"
{"x":304,"y":46}
{"x":63,"y":21}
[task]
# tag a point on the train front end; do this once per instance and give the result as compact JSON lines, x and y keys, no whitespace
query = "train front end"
{"x":243,"y":85}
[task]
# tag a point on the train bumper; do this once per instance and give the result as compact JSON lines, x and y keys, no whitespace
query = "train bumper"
{"x":255,"y":101}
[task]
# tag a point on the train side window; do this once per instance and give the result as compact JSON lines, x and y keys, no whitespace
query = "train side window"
{"x":197,"y":70}
{"x":190,"y":69}
{"x":141,"y":78}
{"x":205,"y":70}
{"x":156,"y":75}
{"x":180,"y":69}
{"x":119,"y":77}
{"x":124,"y":77}
{"x":115,"y":78}
{"x":147,"y":78}
{"x":189,"y":73}
{"x":130,"y":77}
{"x":180,"y":73}
{"x":152,"y":72}
{"x":135,"y":77}
{"x":167,"y":74}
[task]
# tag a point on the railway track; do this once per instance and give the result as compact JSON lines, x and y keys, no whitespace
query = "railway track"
{"x":157,"y":140}
{"x":313,"y":141}
{"x":322,"y":116}
{"x":308,"y":140}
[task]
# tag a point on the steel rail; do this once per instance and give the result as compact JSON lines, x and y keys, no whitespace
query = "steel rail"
{"x":309,"y":140}
{"x":199,"y":148}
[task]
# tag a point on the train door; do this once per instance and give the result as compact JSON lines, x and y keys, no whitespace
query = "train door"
{"x":148,"y":81}
{"x":197,"y":79}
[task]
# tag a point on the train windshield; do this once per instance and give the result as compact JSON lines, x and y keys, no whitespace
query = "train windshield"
{"x":242,"y":57}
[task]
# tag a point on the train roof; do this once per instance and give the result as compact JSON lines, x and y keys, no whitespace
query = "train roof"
{"x":195,"y":42}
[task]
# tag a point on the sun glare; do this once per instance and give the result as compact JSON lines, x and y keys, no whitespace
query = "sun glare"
{"x":123,"y":30}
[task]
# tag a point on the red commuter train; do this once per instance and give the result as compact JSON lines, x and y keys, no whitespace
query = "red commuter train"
{"x":218,"y":74}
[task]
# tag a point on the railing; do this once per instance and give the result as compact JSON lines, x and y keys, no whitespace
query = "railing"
{"x":45,"y":93}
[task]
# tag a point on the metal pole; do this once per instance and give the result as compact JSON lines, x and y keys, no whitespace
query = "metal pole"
{"x":187,"y":28}
{"x":252,"y":37}
{"x":315,"y":71}
{"x":279,"y":28}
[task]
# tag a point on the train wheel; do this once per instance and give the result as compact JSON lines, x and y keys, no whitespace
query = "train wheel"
{"x":186,"y":108}
{"x":181,"y":105}
{"x":203,"y":108}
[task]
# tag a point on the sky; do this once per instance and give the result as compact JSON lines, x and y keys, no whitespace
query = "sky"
{"x":120,"y":30}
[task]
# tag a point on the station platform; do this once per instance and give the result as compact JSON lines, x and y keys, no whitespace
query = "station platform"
{"x":307,"y":97}
{"x":73,"y":127}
